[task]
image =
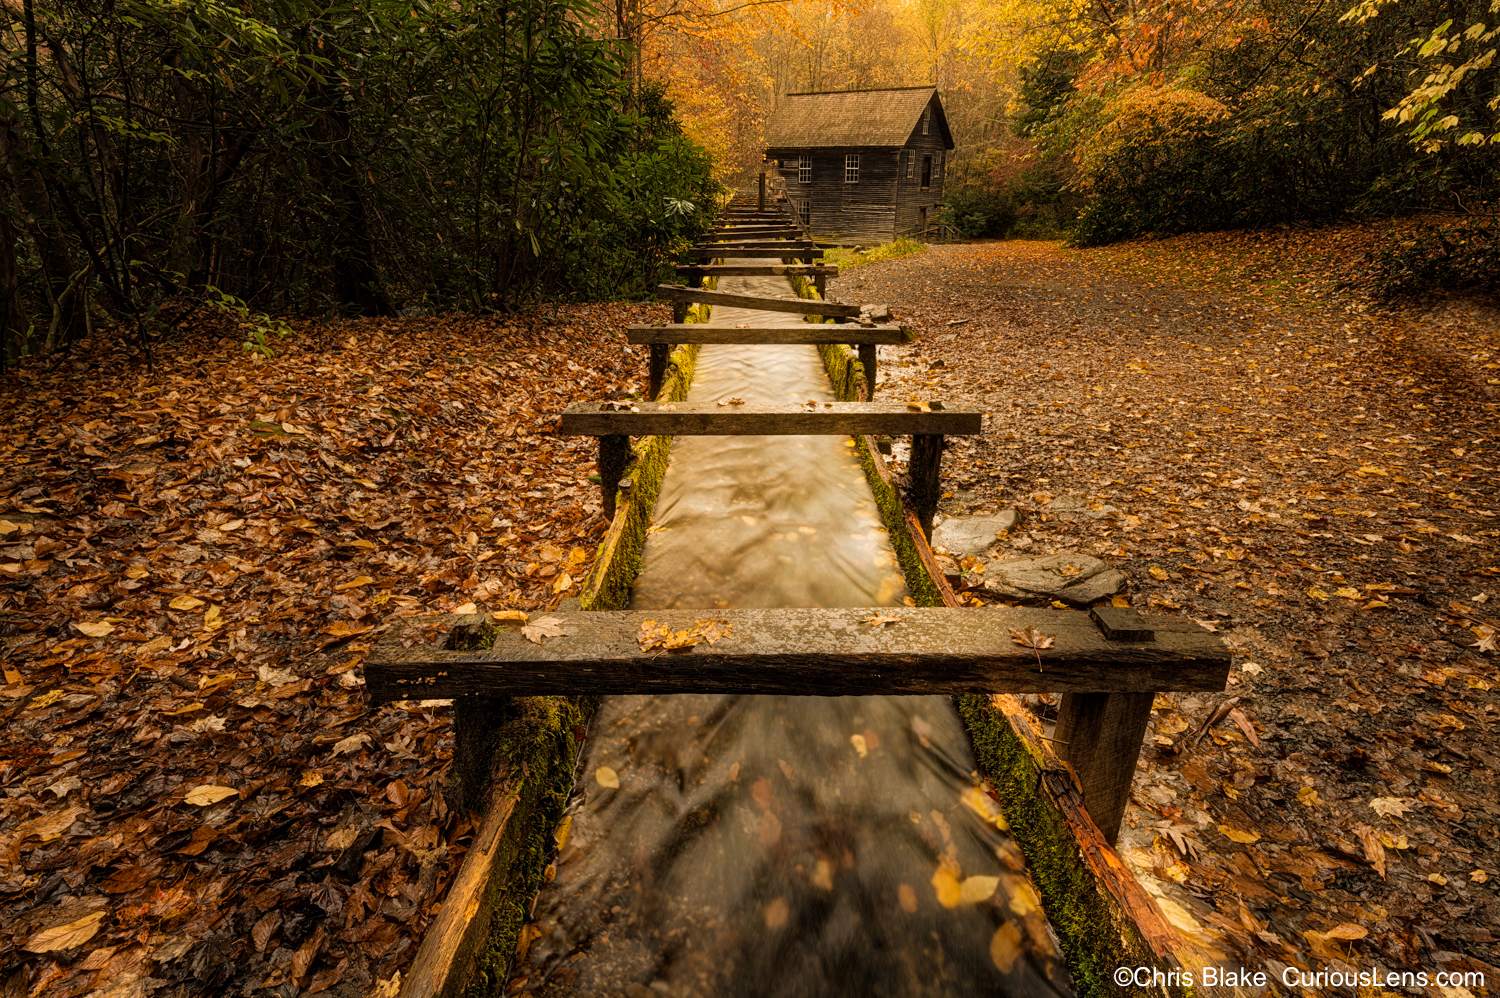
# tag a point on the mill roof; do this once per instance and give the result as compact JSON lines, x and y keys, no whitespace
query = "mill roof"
{"x":852,"y":118}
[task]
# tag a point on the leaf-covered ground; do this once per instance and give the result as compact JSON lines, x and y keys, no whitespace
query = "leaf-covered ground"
{"x":1314,"y":480}
{"x":194,"y":795}
{"x":194,"y":798}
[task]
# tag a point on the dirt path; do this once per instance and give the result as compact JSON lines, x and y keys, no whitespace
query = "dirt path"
{"x":1316,"y":483}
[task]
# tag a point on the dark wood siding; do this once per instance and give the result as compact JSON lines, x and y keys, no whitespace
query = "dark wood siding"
{"x":911,"y":196}
{"x":859,"y":212}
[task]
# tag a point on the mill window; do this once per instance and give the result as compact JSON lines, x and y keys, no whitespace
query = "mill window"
{"x":804,"y":169}
{"x":851,"y":168}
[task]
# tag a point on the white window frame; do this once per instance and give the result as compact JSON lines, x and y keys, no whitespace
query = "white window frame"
{"x":941,"y":156}
{"x":926,"y":120}
{"x":911,"y":164}
{"x":804,"y":212}
{"x":851,"y":168}
{"x":804,"y":168}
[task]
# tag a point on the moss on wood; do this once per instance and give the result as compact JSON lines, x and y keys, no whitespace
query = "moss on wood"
{"x":533,"y":750}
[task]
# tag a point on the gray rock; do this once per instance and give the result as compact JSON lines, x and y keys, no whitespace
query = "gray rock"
{"x":875,"y":313}
{"x":1042,"y":576}
{"x":1074,"y":508}
{"x":962,"y":536}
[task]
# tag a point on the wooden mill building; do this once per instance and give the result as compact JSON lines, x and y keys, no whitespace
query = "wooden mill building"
{"x":863,"y":165}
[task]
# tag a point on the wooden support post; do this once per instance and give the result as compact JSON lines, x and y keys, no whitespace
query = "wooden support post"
{"x":680,"y":312}
{"x":1100,"y":735}
{"x":850,"y":395}
{"x":867,"y":358}
{"x":922,"y":472}
{"x":658,"y":370}
{"x":476,"y":725}
{"x":614,"y":455}
{"x":762,"y":205}
{"x":820,"y":282}
{"x":695,"y":280}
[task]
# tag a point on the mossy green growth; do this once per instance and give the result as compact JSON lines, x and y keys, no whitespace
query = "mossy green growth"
{"x":1096,"y":937}
{"x":844,"y":259}
{"x":535,"y":743}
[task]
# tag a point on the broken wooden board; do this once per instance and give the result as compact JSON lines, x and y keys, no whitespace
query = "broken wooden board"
{"x":804,"y":306}
{"x":827,"y":652}
{"x":765,"y":418}
{"x":807,"y":332}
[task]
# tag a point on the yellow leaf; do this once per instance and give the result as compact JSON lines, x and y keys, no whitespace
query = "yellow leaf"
{"x":96,"y":629}
{"x":982,"y":804}
{"x":1119,"y":601}
{"x":1309,"y":796}
{"x":46,"y":699}
{"x":137,"y":572}
{"x":1317,"y":593}
{"x":344,"y":629}
{"x":185,"y":603}
{"x":1370,"y":469}
{"x":208,"y":794}
{"x":1438,"y":878}
{"x":466,"y":608}
{"x":231,"y":525}
{"x":354,"y":583}
{"x":61,"y":937}
{"x":607,"y":777}
{"x":1005,"y":947}
{"x":777,"y":913}
{"x":564,"y":581}
{"x":945,"y":884}
{"x":521,"y":615}
{"x":311,"y":779}
{"x":1347,"y":930}
{"x":1158,"y":573}
{"x":858,"y":741}
{"x":578,"y":557}
{"x":212,"y":620}
{"x":1348,"y":592}
{"x":1235,"y":835}
{"x":907,"y":898}
{"x":1479,"y":877}
{"x":1023,"y":899}
{"x":12,"y":677}
{"x":976,"y":889}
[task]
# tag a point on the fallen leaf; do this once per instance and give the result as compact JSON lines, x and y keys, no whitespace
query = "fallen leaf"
{"x":946,"y":887}
{"x":1479,"y":877}
{"x":1005,"y":947}
{"x":607,"y":777}
{"x":96,"y":629}
{"x":974,"y":890}
{"x":543,"y":627}
{"x":520,"y":615}
{"x":1158,"y":573}
{"x":63,"y":937}
{"x":777,"y":913}
{"x":208,"y":794}
{"x":1347,"y":930}
{"x":1390,"y":807}
{"x":1236,"y":835}
{"x":354,"y":583}
{"x":1369,"y":842}
{"x":907,"y":898}
{"x":1317,"y":593}
{"x":46,"y":699}
{"x":883,"y":618}
{"x":352,"y":744}
{"x":1438,"y":878}
{"x":185,"y":603}
{"x":1308,"y":796}
{"x":1030,"y":637}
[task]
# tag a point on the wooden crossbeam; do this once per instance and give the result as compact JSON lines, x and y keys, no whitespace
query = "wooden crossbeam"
{"x":802,"y":332}
{"x":614,"y":427}
{"x":745,"y":231}
{"x":757,"y":270}
{"x":714,"y":252}
{"x":814,"y":652}
{"x":804,"y":306}
{"x":800,"y":245}
{"x":765,"y":418}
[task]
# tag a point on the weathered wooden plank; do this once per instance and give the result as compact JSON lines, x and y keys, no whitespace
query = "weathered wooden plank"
{"x":748,"y":231}
{"x":804,"y":306}
{"x":455,"y":937}
{"x":804,"y":332}
{"x":820,"y":271}
{"x":815,"y":652}
{"x":715,"y":252}
{"x":765,"y":418}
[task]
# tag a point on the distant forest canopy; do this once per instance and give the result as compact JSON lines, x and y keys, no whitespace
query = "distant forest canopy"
{"x":326,"y":156}
{"x":1101,"y":119}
